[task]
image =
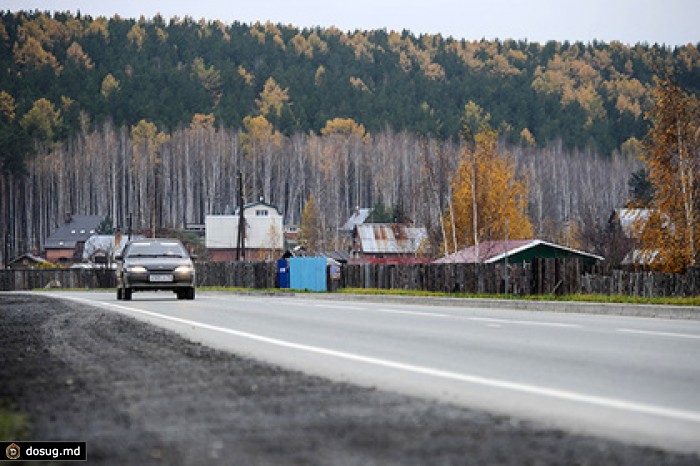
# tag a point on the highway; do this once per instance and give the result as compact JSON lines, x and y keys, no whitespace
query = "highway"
{"x":631,"y":379}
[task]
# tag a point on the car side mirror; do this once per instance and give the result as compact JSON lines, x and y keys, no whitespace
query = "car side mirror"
{"x":193,"y":257}
{"x":118,"y":258}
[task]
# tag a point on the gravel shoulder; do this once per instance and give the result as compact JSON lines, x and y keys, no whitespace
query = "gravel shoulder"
{"x":138,"y":394}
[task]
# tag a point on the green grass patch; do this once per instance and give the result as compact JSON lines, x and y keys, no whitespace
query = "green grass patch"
{"x":589,"y":298}
{"x":13,"y":426}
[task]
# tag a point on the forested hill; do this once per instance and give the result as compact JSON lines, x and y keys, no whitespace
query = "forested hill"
{"x":168,"y":70}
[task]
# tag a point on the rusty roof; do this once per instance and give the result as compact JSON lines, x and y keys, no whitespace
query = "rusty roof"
{"x":389,"y":238}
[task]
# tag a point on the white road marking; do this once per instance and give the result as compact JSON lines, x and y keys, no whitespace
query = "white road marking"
{"x":639,"y":408}
{"x":340,"y":306}
{"x":412,"y":313}
{"x":659,"y":334}
{"x":523,"y":322}
{"x":293,"y":303}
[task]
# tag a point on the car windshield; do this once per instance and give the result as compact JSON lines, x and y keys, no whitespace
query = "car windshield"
{"x":156,"y":250}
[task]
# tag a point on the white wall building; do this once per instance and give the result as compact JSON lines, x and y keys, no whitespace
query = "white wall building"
{"x":264,"y":233}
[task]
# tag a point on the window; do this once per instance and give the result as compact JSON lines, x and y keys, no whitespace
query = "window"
{"x":261,"y":213}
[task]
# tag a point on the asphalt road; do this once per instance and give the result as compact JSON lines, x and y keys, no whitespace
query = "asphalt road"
{"x":624,"y":378}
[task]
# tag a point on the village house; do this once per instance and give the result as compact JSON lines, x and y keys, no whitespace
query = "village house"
{"x":66,"y":244}
{"x":631,"y":223}
{"x":387,"y":242}
{"x":516,"y":252}
{"x":264,"y":233}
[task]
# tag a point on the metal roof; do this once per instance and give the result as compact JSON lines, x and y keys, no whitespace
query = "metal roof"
{"x":389,"y":238}
{"x":494,"y":251}
{"x":358,"y":217}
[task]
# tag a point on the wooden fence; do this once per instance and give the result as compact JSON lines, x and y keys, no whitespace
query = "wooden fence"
{"x":230,"y":274}
{"x":542,"y":276}
{"x":56,"y":278}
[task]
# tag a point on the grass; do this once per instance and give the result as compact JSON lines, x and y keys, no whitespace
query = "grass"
{"x":13,"y":426}
{"x":590,"y":298}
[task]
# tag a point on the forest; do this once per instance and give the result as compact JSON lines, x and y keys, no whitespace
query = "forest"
{"x":156,"y":116}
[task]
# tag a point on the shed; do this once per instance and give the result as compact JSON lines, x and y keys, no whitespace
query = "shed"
{"x":28,"y":261}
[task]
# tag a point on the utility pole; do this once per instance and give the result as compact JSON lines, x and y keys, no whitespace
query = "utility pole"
{"x":6,"y":252}
{"x":240,"y":243}
{"x":128,"y":231}
{"x":505,"y":262}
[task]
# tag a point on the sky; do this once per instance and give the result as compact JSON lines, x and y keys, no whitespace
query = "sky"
{"x":669,"y":22}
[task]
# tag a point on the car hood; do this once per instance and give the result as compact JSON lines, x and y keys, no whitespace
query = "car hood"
{"x":158,"y":264}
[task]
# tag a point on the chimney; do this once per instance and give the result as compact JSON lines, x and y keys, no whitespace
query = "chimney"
{"x":68,"y":217}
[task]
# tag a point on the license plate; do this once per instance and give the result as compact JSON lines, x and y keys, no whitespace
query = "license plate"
{"x":161,"y":278}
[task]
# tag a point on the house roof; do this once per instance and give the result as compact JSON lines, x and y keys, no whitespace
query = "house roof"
{"x":358,"y":217}
{"x":336,"y":256}
{"x":30,"y":258}
{"x":256,"y":204}
{"x":494,"y":251}
{"x":79,"y":228}
{"x":632,"y":221}
{"x":389,"y":238}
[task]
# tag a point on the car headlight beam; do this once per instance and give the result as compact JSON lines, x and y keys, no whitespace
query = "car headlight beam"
{"x":136,"y":269}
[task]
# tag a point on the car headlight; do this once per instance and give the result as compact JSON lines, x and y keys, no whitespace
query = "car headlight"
{"x":184,"y":269}
{"x":136,"y":269}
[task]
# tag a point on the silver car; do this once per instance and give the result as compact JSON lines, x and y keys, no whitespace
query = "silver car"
{"x":153,"y":264}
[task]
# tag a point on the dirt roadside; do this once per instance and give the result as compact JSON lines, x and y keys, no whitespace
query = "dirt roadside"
{"x":138,"y":394}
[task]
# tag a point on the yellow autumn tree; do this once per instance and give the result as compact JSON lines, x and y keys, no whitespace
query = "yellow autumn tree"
{"x":136,"y":36}
{"x":146,"y":145}
{"x":272,"y":98}
{"x":202,"y":121}
{"x":7,"y":106}
{"x":42,"y":120}
{"x":258,"y":134}
{"x":261,"y":143}
{"x":32,"y":55}
{"x":76,"y":53}
{"x":672,"y":156}
{"x":487,"y":197}
{"x":311,"y":225}
{"x":339,"y":135}
{"x":209,"y":77}
{"x":110,"y":84}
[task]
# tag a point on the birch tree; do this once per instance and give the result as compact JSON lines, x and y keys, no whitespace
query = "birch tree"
{"x":487,"y":195}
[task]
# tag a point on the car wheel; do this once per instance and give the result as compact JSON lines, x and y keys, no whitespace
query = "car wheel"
{"x":126,"y":294}
{"x":119,"y":294}
{"x":190,"y":293}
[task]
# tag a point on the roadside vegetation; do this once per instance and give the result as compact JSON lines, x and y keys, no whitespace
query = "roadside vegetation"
{"x":589,"y":298}
{"x":13,"y":426}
